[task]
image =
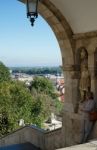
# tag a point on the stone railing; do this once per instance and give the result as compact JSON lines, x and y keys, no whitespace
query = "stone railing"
{"x":38,"y":137}
{"x":26,"y":134}
{"x":53,"y":139}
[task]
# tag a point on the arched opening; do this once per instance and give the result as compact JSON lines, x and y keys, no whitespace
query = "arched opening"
{"x":18,"y":55}
{"x":63,"y":34}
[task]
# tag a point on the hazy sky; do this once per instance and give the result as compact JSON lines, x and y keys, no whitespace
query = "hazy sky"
{"x":23,"y":45}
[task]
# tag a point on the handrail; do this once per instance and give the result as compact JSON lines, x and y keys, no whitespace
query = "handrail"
{"x":27,"y":126}
{"x":32,"y":127}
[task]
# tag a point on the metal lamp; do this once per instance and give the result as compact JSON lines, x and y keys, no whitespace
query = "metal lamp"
{"x":32,"y":13}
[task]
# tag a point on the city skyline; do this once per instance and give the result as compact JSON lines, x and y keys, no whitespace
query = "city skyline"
{"x":22,"y":44}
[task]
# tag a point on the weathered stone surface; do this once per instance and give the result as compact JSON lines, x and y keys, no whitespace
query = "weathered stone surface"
{"x":37,"y":137}
{"x":87,"y":146}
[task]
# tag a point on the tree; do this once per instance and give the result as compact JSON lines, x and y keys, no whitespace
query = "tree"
{"x":42,"y":84}
{"x":16,"y":103}
{"x":4,"y":73}
{"x":42,"y":107}
{"x":46,"y":99}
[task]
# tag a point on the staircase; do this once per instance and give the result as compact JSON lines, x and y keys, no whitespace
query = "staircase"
{"x":24,"y":146}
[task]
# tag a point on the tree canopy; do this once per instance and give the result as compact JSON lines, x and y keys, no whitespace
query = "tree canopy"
{"x":4,"y":73}
{"x":17,"y":102}
{"x":43,"y":86}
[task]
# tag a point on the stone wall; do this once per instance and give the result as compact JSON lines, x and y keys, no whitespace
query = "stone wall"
{"x":53,"y":139}
{"x":70,"y":44}
{"x":26,"y":134}
{"x":90,"y":43}
{"x":38,"y":137}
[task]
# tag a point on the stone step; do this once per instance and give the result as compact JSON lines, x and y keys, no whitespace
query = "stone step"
{"x":24,"y":146}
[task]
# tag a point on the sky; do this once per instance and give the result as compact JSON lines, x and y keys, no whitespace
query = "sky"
{"x":24,"y":45}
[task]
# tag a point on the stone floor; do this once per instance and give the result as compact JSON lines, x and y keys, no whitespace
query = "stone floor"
{"x":87,"y":146}
{"x":25,"y":146}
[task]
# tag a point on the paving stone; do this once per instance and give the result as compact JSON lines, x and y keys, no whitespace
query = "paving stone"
{"x":88,"y":146}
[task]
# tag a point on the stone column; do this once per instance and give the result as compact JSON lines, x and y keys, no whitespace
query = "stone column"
{"x":71,"y":98}
{"x":71,"y":88}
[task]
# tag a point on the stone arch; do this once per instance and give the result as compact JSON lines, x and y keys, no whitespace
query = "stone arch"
{"x":61,"y":30}
{"x":64,"y":35}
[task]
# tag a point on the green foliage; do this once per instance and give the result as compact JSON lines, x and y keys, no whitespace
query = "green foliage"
{"x":58,"y":107}
{"x":42,"y":84}
{"x":41,"y":109}
{"x":46,"y":100}
{"x":15,"y":103}
{"x":4,"y":73}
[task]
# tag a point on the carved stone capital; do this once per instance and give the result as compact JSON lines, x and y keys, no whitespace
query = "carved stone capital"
{"x":72,"y":70}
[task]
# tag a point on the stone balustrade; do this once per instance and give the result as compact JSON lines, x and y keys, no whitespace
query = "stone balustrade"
{"x":46,"y":140}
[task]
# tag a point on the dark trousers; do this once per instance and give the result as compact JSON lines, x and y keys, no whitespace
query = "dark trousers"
{"x":86,"y":128}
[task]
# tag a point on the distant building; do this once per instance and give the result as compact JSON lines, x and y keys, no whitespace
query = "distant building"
{"x":22,"y":77}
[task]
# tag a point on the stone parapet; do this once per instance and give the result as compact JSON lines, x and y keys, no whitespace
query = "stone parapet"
{"x":45,"y":140}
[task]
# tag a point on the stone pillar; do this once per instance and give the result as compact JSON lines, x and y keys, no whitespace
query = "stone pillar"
{"x":71,"y":98}
{"x":71,"y":89}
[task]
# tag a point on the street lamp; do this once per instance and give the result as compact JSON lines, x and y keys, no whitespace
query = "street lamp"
{"x":32,"y":13}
